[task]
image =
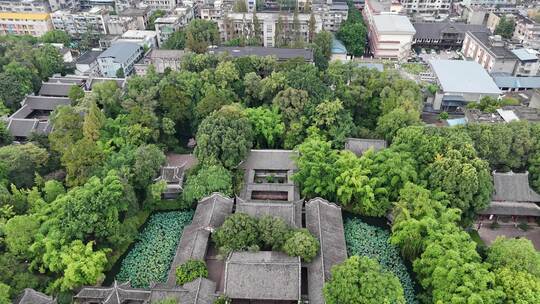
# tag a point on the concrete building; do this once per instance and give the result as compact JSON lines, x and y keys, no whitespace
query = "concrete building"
{"x":443,"y":35}
{"x":487,"y":2}
{"x":25,"y":6}
{"x":211,"y":11}
{"x":64,"y":4}
{"x":166,"y":5}
{"x":120,"y":56}
{"x":238,"y":24}
{"x":527,"y":31}
{"x":166,"y":26}
{"x":390,"y":37}
{"x":143,"y":38}
{"x":93,"y":20}
{"x":332,"y":12}
{"x":528,"y":63}
{"x":461,"y":82}
{"x":161,"y":60}
{"x":426,"y":6}
{"x":35,"y":24}
{"x":139,"y":15}
{"x":86,"y":64}
{"x":489,"y":51}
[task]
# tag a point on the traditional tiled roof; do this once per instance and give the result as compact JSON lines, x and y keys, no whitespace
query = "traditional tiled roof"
{"x":263,"y":275}
{"x":513,"y":187}
{"x":290,"y":212}
{"x":30,"y":296}
{"x":270,"y":159}
{"x":211,"y":212}
{"x":281,"y":54}
{"x":512,"y":208}
{"x":323,"y":219}
{"x":360,"y":145}
{"x":57,"y":89}
{"x":116,"y":294}
{"x":199,"y":291}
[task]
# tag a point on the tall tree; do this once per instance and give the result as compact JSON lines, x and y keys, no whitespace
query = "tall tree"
{"x":200,"y":34}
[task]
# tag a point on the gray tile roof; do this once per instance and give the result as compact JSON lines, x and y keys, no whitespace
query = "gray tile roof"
{"x":210,"y":214}
{"x":30,"y":296}
{"x":513,"y":187}
{"x":25,"y":127}
{"x":290,"y":212}
{"x":167,"y":54}
{"x":45,"y":102}
{"x":514,"y":82}
{"x":460,"y":76}
{"x":360,"y":145}
{"x":120,"y":51}
{"x":264,"y":275}
{"x":88,"y":57}
{"x":199,"y":291}
{"x":282,"y":54}
{"x":512,"y":208}
{"x":270,"y":160}
{"x":435,"y":30}
{"x":55,"y":89}
{"x":323,"y":219}
{"x":116,"y":294}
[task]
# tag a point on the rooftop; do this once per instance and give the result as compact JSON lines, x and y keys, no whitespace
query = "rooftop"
{"x":459,"y":76}
{"x":138,"y":34}
{"x":493,"y":44}
{"x":434,"y":30}
{"x":56,"y":89}
{"x":360,"y":145}
{"x":524,"y":54}
{"x":515,"y":82}
{"x":168,"y":54}
{"x":397,"y":24}
{"x":338,"y":47}
{"x":513,"y":187}
{"x":88,"y":57}
{"x":263,"y":275}
{"x":290,"y":212}
{"x":131,"y":11}
{"x":281,"y":54}
{"x":506,"y":114}
{"x":270,"y":159}
{"x":24,"y":16}
{"x":324,"y":221}
{"x":120,"y":51}
{"x":30,"y":296}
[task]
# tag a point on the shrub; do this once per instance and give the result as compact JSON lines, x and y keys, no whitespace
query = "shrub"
{"x":222,"y":300}
{"x":238,"y":232}
{"x":273,"y":231}
{"x":208,"y":179}
{"x":366,"y":240}
{"x":191,"y":270}
{"x":151,"y":257}
{"x":443,"y":116}
{"x":301,"y":243}
{"x":361,"y":280}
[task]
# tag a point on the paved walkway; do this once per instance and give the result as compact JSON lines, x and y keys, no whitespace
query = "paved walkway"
{"x":489,"y":235}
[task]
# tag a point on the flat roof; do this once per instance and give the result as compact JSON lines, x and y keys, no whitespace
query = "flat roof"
{"x":393,"y":24}
{"x":515,"y":82}
{"x":279,"y":53}
{"x":524,"y":54}
{"x":460,"y":76}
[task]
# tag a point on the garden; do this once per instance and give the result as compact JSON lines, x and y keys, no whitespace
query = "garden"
{"x":366,"y":240}
{"x":150,"y":258}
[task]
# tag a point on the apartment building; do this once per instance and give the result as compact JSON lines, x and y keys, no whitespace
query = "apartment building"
{"x":139,"y":15}
{"x":490,"y":52}
{"x":166,"y":5}
{"x":487,"y":2}
{"x":211,"y":11}
{"x":143,"y":38}
{"x":528,"y":63}
{"x":166,"y":26}
{"x":35,"y":24}
{"x":390,"y":37}
{"x":26,"y":6}
{"x":527,"y":31}
{"x":120,"y":56}
{"x":94,"y":20}
{"x":426,"y":6}
{"x":239,"y":24}
{"x":64,"y":4}
{"x":332,"y":12}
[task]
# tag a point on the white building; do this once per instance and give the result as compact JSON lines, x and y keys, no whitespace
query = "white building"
{"x":332,"y":12}
{"x":122,"y":55}
{"x":143,"y":38}
{"x":86,"y":64}
{"x":527,"y":31}
{"x":94,"y":20}
{"x":528,"y":63}
{"x":26,"y":6}
{"x":390,"y":37}
{"x":166,"y":5}
{"x":426,"y":6}
{"x":64,"y":4}
{"x":239,"y":24}
{"x":166,"y":26}
{"x":35,"y":24}
{"x":490,"y":52}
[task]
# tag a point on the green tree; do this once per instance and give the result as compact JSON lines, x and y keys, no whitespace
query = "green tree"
{"x":273,"y":232}
{"x":207,"y":180}
{"x":301,"y":243}
{"x":22,"y":162}
{"x":238,"y":232}
{"x":47,"y":60}
{"x":518,"y":286}
{"x":317,"y":172}
{"x":225,"y":136}
{"x":311,"y":27}
{"x":267,"y":125}
{"x":252,"y":88}
{"x":298,"y":40}
{"x":214,"y":98}
{"x":353,"y":33}
{"x":389,"y":124}
{"x":322,"y":49}
{"x":177,"y":41}
{"x":292,"y":104}
{"x":19,"y":234}
{"x":108,"y":96}
{"x":361,"y":280}
{"x":120,"y":73}
{"x":515,"y":254}
{"x":4,"y":294}
{"x":505,"y":28}
{"x":147,"y":161}
{"x":333,"y":121}
{"x":200,"y":34}
{"x":56,"y":36}
{"x":76,"y":94}
{"x":190,"y":271}
{"x":156,"y":14}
